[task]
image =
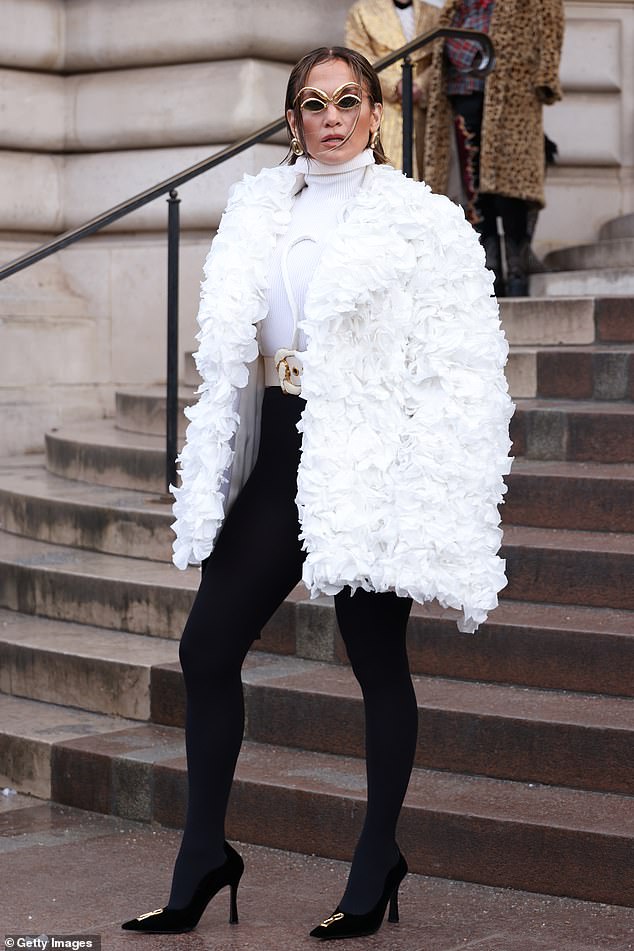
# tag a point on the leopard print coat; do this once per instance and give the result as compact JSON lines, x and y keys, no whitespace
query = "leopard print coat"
{"x":527,"y":36}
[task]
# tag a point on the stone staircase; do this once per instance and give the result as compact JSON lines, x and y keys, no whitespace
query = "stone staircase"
{"x":604,"y":267}
{"x":525,"y":769}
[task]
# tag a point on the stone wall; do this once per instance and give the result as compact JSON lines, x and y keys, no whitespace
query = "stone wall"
{"x":101,"y":100}
{"x":593,"y":125}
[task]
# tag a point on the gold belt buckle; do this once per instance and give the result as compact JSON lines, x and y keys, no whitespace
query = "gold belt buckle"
{"x":289,"y":370}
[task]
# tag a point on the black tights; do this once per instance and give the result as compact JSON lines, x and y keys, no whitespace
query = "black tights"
{"x":256,"y":562}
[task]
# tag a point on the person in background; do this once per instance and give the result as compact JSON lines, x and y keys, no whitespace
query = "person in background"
{"x":497,"y":121}
{"x":378,"y":27}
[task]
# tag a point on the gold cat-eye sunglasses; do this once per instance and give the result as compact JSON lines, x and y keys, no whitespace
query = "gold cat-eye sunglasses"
{"x":346,"y":97}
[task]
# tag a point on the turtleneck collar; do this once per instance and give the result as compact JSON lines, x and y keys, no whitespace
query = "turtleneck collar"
{"x":331,"y":182}
{"x":311,"y":168}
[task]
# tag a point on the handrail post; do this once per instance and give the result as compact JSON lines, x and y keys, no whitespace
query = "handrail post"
{"x":171,"y":411}
{"x":408,"y":117}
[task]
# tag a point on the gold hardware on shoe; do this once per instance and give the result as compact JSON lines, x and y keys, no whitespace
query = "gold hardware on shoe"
{"x":332,"y":919}
{"x":149,"y":914}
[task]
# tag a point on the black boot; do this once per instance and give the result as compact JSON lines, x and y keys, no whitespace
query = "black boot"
{"x":517,"y":253}
{"x":493,"y":252}
{"x":535,"y":264}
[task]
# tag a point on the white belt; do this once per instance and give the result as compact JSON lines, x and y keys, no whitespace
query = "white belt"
{"x":285,"y":370}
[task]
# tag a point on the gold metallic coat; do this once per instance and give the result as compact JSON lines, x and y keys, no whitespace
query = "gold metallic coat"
{"x":374,"y":29}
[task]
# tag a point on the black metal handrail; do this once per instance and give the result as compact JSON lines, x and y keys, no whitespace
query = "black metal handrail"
{"x":169,"y":186}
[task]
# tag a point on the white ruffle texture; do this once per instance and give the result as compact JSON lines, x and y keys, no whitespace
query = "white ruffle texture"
{"x":232,"y":301}
{"x":405,"y":431}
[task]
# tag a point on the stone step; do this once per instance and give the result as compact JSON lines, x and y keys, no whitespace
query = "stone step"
{"x":109,"y":591}
{"x":542,"y":645}
{"x":614,"y":319}
{"x":104,"y":590}
{"x":541,"y":429}
{"x":575,"y":372}
{"x":578,"y":431}
{"x":595,"y":371}
{"x":563,"y":429}
{"x":569,"y":567}
{"x":473,"y":828}
{"x":79,"y":666}
{"x":543,"y":321}
{"x":621,"y":227}
{"x":99,"y":452}
{"x":553,"y":646}
{"x":588,"y":496}
{"x":606,"y":254}
{"x":584,"y":740}
{"x":29,"y":731}
{"x":591,"y":282}
{"x":143,"y":410}
{"x":551,"y":565}
{"x":154,"y":599}
{"x":38,"y":504}
{"x":296,"y":702}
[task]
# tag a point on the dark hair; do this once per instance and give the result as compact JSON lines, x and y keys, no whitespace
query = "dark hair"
{"x":364,"y":73}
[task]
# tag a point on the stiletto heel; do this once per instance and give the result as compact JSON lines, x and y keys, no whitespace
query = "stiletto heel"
{"x":233,"y":908}
{"x":179,"y":920}
{"x":393,"y":912}
{"x":342,"y":925}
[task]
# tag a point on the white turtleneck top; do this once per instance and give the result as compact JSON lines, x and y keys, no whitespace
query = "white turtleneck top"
{"x":317,"y":209}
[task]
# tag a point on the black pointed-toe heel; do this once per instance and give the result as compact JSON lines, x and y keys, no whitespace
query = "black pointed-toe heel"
{"x":179,"y":920}
{"x":342,"y":925}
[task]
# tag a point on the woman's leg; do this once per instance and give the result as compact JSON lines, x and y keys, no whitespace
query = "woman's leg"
{"x":373,"y":627}
{"x":257,"y":560}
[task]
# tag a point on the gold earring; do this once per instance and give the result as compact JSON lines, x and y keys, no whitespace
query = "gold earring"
{"x":296,"y":146}
{"x":374,"y":138}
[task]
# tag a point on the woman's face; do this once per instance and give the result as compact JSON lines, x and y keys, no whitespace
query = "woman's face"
{"x":336,"y":134}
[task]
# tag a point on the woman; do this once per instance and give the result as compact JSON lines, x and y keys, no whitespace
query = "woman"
{"x":369,"y":295}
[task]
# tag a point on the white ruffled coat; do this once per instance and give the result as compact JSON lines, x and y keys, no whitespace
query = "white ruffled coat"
{"x":405,"y":429}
